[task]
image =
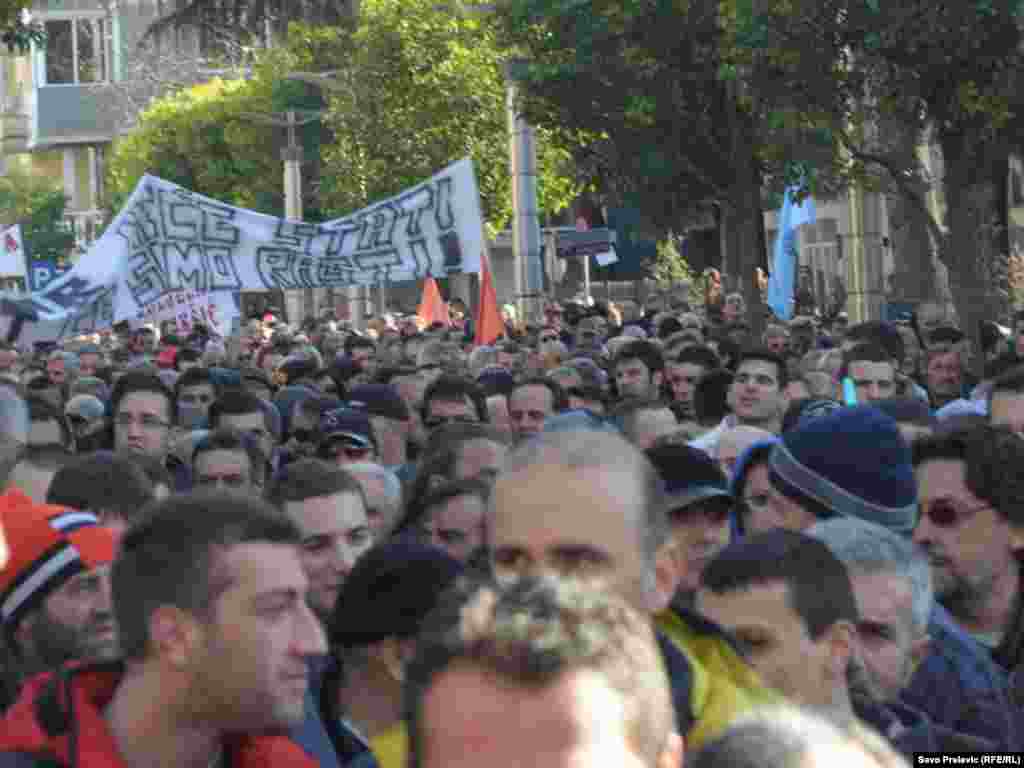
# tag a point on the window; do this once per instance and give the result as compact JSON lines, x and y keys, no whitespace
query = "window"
{"x":76,"y":51}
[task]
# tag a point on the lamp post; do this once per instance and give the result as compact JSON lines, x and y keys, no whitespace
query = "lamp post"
{"x":292,"y":156}
{"x":328,"y":81}
{"x":526,"y":235}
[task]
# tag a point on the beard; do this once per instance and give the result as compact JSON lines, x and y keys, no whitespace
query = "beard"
{"x":55,"y":643}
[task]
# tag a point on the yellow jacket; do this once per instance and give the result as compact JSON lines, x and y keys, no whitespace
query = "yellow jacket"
{"x":723,"y":685}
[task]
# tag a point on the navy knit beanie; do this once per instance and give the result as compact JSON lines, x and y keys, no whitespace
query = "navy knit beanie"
{"x":853,"y":462}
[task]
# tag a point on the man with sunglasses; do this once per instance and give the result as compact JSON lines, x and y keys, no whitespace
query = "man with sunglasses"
{"x":347,"y":437}
{"x":853,"y":462}
{"x":971,"y":492}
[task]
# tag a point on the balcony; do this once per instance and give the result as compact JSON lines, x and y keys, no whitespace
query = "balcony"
{"x":71,"y":114}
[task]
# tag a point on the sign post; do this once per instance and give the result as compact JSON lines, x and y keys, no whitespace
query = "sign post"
{"x":582,"y":244}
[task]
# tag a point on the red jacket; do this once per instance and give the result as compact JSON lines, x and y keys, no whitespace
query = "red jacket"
{"x":59,"y":713}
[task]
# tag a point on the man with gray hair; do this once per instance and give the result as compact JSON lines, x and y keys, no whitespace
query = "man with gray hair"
{"x":584,"y":503}
{"x":892,"y":582}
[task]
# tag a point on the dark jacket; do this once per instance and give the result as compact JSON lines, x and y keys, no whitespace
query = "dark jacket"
{"x":58,"y":721}
{"x":910,"y":731}
{"x":957,"y":672}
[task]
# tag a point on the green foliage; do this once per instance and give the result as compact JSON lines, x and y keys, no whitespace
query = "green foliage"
{"x":15,"y":35}
{"x":416,"y":88}
{"x":204,"y":139}
{"x":38,"y":204}
{"x":671,"y":266}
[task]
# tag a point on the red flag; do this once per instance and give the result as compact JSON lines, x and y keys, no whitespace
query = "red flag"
{"x":489,"y":325}
{"x":432,"y":307}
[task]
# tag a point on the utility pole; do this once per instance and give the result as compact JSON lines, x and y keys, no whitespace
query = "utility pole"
{"x":292,"y":156}
{"x":357,"y":294}
{"x":526,"y":235}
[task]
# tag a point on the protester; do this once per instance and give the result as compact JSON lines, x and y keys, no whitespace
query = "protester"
{"x":788,"y":601}
{"x":216,"y":639}
{"x":111,"y":486}
{"x":580,"y":669}
{"x":54,"y":590}
{"x":327,"y":505}
{"x":372,"y":632}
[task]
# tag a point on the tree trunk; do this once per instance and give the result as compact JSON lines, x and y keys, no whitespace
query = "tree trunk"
{"x":973,"y":248}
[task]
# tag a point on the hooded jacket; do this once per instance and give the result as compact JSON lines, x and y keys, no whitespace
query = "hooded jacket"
{"x":58,"y":721}
{"x":722,"y":686}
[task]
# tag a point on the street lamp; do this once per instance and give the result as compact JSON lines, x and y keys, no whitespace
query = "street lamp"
{"x":292,"y":156}
{"x":329,"y":81}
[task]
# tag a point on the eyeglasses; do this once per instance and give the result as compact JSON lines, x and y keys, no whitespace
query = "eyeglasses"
{"x":946,"y":514}
{"x":147,"y":422}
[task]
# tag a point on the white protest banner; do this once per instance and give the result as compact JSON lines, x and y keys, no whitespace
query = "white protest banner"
{"x":215,"y":310}
{"x":12,"y":252}
{"x":168,"y":239}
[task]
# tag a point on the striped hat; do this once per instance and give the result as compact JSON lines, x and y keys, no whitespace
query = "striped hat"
{"x":47,"y":545}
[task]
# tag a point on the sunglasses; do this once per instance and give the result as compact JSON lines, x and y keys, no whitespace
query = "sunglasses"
{"x":548,"y":338}
{"x":945,"y":514}
{"x":304,"y":435}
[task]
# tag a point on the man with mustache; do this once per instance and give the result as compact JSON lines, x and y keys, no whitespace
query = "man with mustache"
{"x":54,"y":589}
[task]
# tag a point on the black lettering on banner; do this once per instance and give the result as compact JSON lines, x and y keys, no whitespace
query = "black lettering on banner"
{"x":340,"y":233}
{"x":413,"y":206}
{"x":181,"y":219}
{"x":420,"y":254}
{"x":378,"y":260}
{"x":334,"y":272}
{"x":378,"y":228}
{"x":144,"y":276}
{"x":451,"y":248}
{"x":296,"y":235}
{"x":75,"y":292}
{"x":221,"y":269}
{"x":274,"y":267}
{"x":140,"y":225}
{"x":183,"y":266}
{"x":304,"y":269}
{"x":444,"y":211}
{"x":218,"y":226}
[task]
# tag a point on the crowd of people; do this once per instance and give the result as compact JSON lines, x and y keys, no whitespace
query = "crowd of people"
{"x":629,"y":531}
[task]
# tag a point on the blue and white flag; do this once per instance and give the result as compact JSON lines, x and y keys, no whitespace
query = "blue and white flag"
{"x":782,"y":281}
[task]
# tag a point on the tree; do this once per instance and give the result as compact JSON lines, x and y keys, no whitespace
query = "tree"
{"x":413,"y":89}
{"x":423,"y":90}
{"x":17,"y":32}
{"x":201,"y":139}
{"x":230,"y":26}
{"x":38,"y":205}
{"x":663,"y":123}
{"x":920,"y":71}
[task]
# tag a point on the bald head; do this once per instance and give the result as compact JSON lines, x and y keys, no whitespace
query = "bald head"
{"x":734,"y":442}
